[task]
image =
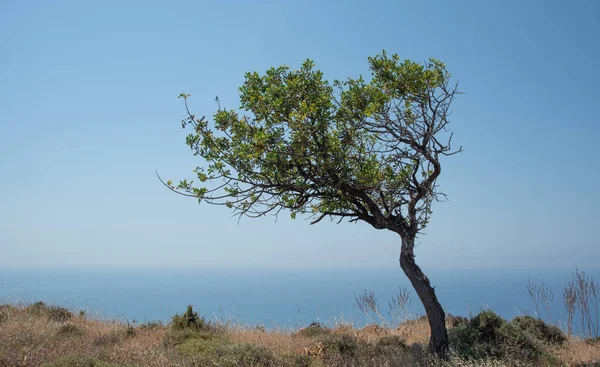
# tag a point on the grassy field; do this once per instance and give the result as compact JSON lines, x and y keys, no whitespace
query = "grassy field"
{"x":42,"y":335}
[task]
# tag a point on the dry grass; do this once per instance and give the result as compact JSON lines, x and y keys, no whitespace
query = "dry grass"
{"x":28,"y":339}
{"x":39,"y":338}
{"x":578,"y":352}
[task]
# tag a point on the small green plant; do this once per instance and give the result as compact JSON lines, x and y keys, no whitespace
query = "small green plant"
{"x":189,"y":320}
{"x":250,"y":355}
{"x":130,"y":331}
{"x":390,"y":344}
{"x":313,"y":330}
{"x":83,"y":361}
{"x":453,"y":321}
{"x":335,"y":345}
{"x":54,"y":313}
{"x":152,"y":325}
{"x":300,"y":360}
{"x":205,"y":345}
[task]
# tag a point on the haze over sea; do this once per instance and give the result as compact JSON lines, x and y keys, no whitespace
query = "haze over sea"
{"x":272,"y":298}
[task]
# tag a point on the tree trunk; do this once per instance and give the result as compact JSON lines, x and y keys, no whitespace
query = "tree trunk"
{"x":438,"y":342}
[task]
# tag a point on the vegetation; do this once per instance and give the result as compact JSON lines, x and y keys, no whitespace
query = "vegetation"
{"x":31,"y":338}
{"x":355,"y":150}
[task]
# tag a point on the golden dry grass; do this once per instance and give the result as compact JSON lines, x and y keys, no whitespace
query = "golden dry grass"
{"x":28,"y":338}
{"x":577,"y":352}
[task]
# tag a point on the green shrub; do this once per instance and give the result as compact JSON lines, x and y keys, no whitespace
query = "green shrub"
{"x":260,"y":329}
{"x":593,"y":341}
{"x":249,"y":355}
{"x":152,"y":325}
{"x":454,"y":321}
{"x":313,"y":330}
{"x":54,"y":313}
{"x":488,"y":335}
{"x":339,"y":345}
{"x":516,"y":343}
{"x":390,"y":344}
{"x":70,"y":330}
{"x":589,"y":364}
{"x":83,"y":361}
{"x":130,"y":331}
{"x":301,"y":360}
{"x":539,"y":329}
{"x":189,"y":320}
{"x":201,"y":345}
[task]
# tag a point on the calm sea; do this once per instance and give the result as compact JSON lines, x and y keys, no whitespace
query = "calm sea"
{"x":272,"y":298}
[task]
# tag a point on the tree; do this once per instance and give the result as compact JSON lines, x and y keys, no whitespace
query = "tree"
{"x":356,"y":150}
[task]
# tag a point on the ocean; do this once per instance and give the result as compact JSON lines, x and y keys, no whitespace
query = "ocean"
{"x":273,"y":298}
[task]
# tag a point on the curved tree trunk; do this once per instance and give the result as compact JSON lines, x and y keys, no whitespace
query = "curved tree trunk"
{"x":438,"y":343}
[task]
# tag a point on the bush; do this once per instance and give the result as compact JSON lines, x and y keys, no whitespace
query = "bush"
{"x":201,"y":345}
{"x":54,"y":313}
{"x":339,"y":345}
{"x":83,"y":361}
{"x":313,"y":330}
{"x":489,"y":335}
{"x":454,"y":321}
{"x":390,"y":344}
{"x":539,"y":329}
{"x":249,"y":355}
{"x":518,"y":344}
{"x":589,"y":364}
{"x":302,"y":360}
{"x":152,"y":325}
{"x":189,"y":320}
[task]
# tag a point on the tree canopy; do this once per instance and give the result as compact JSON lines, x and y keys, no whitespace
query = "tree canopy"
{"x":355,"y":149}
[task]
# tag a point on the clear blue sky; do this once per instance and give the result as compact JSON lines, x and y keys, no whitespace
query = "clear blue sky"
{"x":89,"y":110}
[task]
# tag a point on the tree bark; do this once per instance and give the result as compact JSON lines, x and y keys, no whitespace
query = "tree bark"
{"x":438,"y":342}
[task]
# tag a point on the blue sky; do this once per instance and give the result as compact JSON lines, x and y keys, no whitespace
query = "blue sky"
{"x":89,"y":111}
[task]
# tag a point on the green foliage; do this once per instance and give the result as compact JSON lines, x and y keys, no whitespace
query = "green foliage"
{"x":588,"y":364}
{"x":488,"y":335}
{"x":54,"y":313}
{"x":201,"y":344}
{"x":352,"y":149}
{"x":313,"y":330}
{"x":301,"y":360}
{"x":189,"y":320}
{"x":151,"y":325}
{"x":250,"y":355}
{"x":456,"y":320}
{"x":130,"y":331}
{"x":336,"y":345}
{"x":539,"y":329}
{"x":216,"y":349}
{"x":83,"y":361}
{"x":390,"y":344}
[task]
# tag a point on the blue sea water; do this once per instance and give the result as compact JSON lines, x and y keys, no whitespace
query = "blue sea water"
{"x":272,"y":298}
